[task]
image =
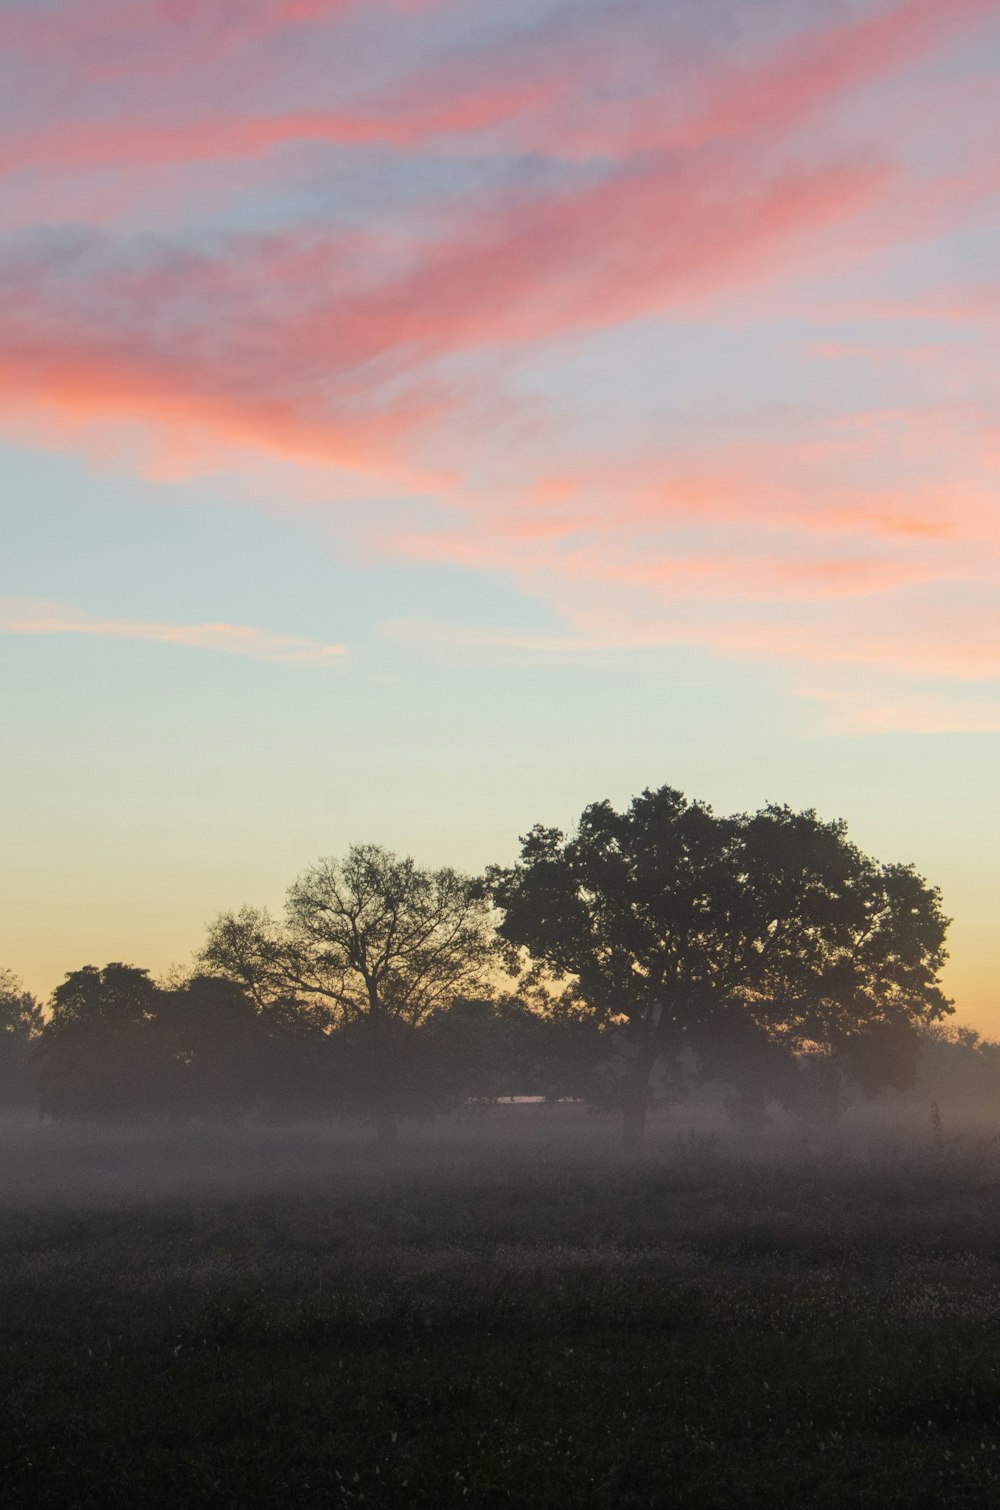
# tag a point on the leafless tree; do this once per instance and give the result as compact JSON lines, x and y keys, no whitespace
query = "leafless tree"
{"x":374,"y":939}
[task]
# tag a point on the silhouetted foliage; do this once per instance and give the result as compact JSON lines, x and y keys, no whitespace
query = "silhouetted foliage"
{"x":210,"y":1041}
{"x":377,"y":944}
{"x":729,"y":935}
{"x":20,"y":1025}
{"x":95,"y":1058}
{"x":118,"y":1046}
{"x":959,"y":1066}
{"x":661,"y":950}
{"x":483,"y":1049}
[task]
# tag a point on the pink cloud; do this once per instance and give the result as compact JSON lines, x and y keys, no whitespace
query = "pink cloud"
{"x":61,"y":392}
{"x":834,"y":480}
{"x":848,"y":555}
{"x":955,"y":304}
{"x":970,"y":656}
{"x":367,"y":349}
{"x":880,"y":708}
{"x":832,"y":507}
{"x":30,"y":616}
{"x":830,"y":63}
{"x":905,"y":642}
{"x":544,"y":84}
{"x":767,"y":93}
{"x":654,"y":571}
{"x":145,"y":144}
{"x":872,"y":674}
{"x":290,"y":344}
{"x":521,"y":268}
{"x":161,"y":36}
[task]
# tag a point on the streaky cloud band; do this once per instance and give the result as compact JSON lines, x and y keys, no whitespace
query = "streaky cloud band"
{"x":32,"y":616}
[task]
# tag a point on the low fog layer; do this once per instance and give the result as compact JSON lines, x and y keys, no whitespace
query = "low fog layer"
{"x":83,"y":1164}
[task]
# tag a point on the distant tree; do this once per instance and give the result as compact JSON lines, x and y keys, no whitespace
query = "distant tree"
{"x":94,"y":1055}
{"x":959,"y":1068}
{"x":375,"y":942}
{"x":695,"y":930}
{"x":20,"y":1026}
{"x":114,"y":996}
{"x":208,"y":1037}
{"x":484,"y":1048}
{"x":303,"y":1072}
{"x":119,"y":1045}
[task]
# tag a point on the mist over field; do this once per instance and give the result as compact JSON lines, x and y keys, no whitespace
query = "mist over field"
{"x":508,"y":1310}
{"x":87,"y":1164}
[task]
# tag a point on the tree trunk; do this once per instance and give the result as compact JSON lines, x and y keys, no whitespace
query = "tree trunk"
{"x":634,"y":1124}
{"x":382,"y":1074}
{"x":637,"y":1092}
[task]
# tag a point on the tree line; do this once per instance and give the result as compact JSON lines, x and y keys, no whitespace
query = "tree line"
{"x":659,"y":946}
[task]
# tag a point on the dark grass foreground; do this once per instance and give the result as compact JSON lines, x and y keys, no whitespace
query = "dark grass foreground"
{"x":514,"y":1332}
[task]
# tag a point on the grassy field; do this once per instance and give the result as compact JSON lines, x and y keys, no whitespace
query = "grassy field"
{"x":527,"y":1321}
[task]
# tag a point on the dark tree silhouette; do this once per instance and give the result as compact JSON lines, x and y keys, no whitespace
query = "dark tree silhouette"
{"x":209,"y":1040}
{"x":118,"y":1045}
{"x":375,"y":941}
{"x":20,"y":1026}
{"x":481,"y":1049}
{"x":691,"y":928}
{"x":94,"y":1054}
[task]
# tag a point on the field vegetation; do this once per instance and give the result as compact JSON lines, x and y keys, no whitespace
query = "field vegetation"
{"x":508,"y":1313}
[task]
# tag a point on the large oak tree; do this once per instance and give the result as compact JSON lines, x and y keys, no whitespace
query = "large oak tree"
{"x":700,"y":930}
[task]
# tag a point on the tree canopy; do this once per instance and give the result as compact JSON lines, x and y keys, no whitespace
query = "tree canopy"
{"x":20,"y":1026}
{"x":693,"y":928}
{"x":374,"y":941}
{"x":119,"y":1045}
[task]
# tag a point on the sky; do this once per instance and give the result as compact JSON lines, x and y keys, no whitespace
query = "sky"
{"x":419,"y":419}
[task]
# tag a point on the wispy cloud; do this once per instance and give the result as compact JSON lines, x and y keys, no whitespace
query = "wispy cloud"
{"x":304,"y":339}
{"x":599,"y":81}
{"x":29,"y":616}
{"x":316,"y":367}
{"x":971,"y":657}
{"x":362,"y":260}
{"x":859,"y":678}
{"x":883,"y":708}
